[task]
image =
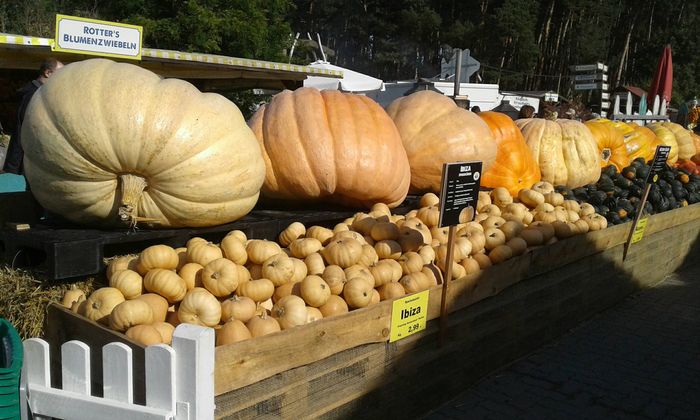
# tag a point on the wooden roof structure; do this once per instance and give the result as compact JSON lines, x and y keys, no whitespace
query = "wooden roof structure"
{"x":209,"y":72}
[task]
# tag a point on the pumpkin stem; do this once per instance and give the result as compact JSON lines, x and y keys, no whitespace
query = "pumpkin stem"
{"x":132,"y":188}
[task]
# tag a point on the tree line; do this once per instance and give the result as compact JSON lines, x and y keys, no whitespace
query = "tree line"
{"x":521,"y":44}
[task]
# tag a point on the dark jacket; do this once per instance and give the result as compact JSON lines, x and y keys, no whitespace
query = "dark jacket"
{"x":15,"y":153}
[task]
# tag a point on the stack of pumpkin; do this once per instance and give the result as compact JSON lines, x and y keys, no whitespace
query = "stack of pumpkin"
{"x":246,"y":288}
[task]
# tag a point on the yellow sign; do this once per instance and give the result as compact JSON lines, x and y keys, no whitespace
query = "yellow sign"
{"x":639,"y":230}
{"x":97,"y":37}
{"x":408,"y":315}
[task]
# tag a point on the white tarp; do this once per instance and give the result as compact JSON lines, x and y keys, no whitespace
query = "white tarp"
{"x":351,"y":81}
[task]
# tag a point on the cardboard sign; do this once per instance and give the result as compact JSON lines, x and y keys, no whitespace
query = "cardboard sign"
{"x":638,"y":233}
{"x":459,"y":193}
{"x":658,"y":163}
{"x":408,"y":315}
{"x":97,"y":37}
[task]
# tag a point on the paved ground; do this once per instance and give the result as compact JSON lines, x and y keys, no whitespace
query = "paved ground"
{"x":639,"y":360}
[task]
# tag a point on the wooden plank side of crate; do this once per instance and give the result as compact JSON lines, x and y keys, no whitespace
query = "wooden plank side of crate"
{"x":62,"y":325}
{"x":249,"y":361}
{"x":402,"y":378}
{"x":242,"y":364}
{"x":418,"y":375}
{"x":266,"y":356}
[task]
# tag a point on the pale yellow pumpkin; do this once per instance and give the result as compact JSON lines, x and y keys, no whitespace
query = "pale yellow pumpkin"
{"x":390,"y":291}
{"x":127,"y":145}
{"x":343,"y":252}
{"x":357,"y":292}
{"x":130,"y":283}
{"x":157,"y":256}
{"x":290,"y":312}
{"x":315,"y":291}
{"x":199,"y":307}
{"x":294,"y":231}
{"x":335,"y":305}
{"x":231,"y":332}
{"x":158,"y":304}
{"x":191,"y":273}
{"x":259,"y":290}
{"x":237,"y":307}
{"x":279,"y":269}
{"x":166,"y":283}
{"x":146,"y":335}
{"x":303,"y":247}
{"x":334,"y":276}
{"x":314,"y":264}
{"x":260,"y":250}
{"x":165,"y":330}
{"x":100,"y":303}
{"x":130,"y":313}
{"x":128,"y":262}
{"x":220,"y":277}
{"x":323,"y":234}
{"x":233,"y":249}
{"x":388,"y":249}
{"x":204,"y":253}
{"x":72,"y":296}
{"x":261,"y":325}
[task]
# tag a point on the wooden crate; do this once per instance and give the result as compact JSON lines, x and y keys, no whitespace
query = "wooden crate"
{"x":344,"y":366}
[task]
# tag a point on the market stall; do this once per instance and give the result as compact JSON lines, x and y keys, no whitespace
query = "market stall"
{"x":541,"y":224}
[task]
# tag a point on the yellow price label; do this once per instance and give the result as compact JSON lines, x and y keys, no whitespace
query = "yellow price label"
{"x":409,"y":315}
{"x":639,"y":230}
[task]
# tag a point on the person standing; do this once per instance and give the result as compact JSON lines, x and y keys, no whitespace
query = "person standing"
{"x":15,"y":153}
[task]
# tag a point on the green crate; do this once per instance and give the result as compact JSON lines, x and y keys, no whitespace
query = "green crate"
{"x":11,"y":358}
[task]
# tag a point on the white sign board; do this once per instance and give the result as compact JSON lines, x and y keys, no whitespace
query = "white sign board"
{"x":591,"y":86}
{"x":589,"y":67}
{"x":599,"y":76}
{"x":96,"y":37}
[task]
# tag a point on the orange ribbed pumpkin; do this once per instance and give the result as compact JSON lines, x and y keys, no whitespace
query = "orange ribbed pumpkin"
{"x":514,"y":168}
{"x":434,"y":130}
{"x":640,"y":142}
{"x":331,"y":146}
{"x":611,"y":143}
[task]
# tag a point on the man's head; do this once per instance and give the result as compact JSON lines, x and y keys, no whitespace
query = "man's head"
{"x":49,"y":67}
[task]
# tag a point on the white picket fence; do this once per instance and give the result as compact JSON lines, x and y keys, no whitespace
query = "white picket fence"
{"x":179,"y":380}
{"x":657,"y":112}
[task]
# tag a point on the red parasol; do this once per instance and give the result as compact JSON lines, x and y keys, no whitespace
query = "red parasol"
{"x":663,"y":77}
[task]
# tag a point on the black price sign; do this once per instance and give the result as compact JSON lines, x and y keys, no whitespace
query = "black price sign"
{"x":658,"y":163}
{"x":460,"y":191}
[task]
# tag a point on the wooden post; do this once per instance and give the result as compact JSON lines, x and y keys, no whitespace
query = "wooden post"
{"x":635,"y":221}
{"x":445,"y":282}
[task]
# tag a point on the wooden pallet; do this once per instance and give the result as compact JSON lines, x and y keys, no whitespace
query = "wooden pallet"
{"x":63,"y":251}
{"x":344,"y":366}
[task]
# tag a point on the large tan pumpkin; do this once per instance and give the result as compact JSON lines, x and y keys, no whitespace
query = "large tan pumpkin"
{"x":108,"y":143}
{"x":332,"y":146}
{"x":434,"y":130}
{"x":565,"y":150}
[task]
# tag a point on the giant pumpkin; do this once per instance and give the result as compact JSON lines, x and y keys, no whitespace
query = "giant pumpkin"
{"x":565,"y":150}
{"x":666,"y":137}
{"x":108,"y":143}
{"x":332,"y":146}
{"x":611,"y":143}
{"x":686,"y":147}
{"x":640,"y":142}
{"x":514,"y":168}
{"x":434,"y":130}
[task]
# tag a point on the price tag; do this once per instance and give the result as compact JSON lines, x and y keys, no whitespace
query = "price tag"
{"x":459,"y":193}
{"x":658,"y":163}
{"x":408,"y":315}
{"x":638,"y":233}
